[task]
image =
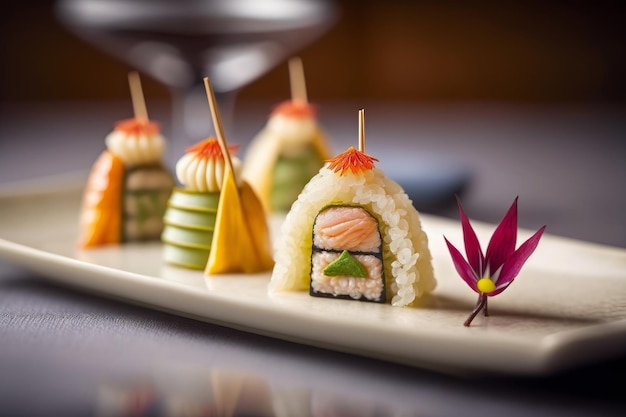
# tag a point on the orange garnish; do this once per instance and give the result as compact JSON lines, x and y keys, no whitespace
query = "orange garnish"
{"x":353,"y":160}
{"x":137,"y":126}
{"x":101,"y":217}
{"x":210,"y":148}
{"x":294,"y":108}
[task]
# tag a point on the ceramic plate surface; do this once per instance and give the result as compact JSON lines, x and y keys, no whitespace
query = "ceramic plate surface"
{"x":567,"y":308}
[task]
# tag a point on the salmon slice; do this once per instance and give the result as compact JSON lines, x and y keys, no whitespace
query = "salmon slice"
{"x":346,"y":228}
{"x":100,"y":218}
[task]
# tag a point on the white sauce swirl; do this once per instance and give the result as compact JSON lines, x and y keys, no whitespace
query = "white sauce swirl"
{"x":199,"y":173}
{"x":136,"y":149}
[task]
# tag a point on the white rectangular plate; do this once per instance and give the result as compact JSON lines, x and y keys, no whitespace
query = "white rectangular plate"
{"x":567,"y":308}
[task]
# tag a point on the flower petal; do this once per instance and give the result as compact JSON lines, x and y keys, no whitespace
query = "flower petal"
{"x":473,"y":251}
{"x":502,"y":243}
{"x":462,"y":267}
{"x":514,"y":264}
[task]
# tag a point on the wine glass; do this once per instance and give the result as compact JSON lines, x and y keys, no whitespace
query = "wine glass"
{"x":178,"y":42}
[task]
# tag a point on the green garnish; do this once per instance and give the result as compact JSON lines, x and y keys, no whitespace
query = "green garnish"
{"x":345,"y":264}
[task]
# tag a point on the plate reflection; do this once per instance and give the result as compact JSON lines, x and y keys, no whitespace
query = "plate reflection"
{"x":226,"y":393}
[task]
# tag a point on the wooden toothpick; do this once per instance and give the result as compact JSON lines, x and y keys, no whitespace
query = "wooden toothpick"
{"x":217,"y":123}
{"x":297,"y":81}
{"x":136,"y":94}
{"x":362,"y":130}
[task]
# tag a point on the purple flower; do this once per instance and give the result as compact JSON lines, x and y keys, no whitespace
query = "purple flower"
{"x":490,"y":274}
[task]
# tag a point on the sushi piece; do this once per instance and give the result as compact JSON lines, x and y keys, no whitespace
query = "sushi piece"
{"x":353,"y":233}
{"x":288,"y":151}
{"x":215,"y":221}
{"x":127,"y":189}
{"x":192,"y":208}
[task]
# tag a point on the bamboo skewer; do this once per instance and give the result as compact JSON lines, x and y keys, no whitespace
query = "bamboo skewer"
{"x":297,"y":80}
{"x":217,"y":123}
{"x":136,"y":94}
{"x":362,"y":130}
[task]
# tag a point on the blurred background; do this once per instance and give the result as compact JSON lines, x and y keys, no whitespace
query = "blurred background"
{"x":525,"y":51}
{"x":487,"y":98}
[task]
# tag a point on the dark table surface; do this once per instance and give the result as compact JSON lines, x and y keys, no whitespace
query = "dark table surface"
{"x":64,"y":352}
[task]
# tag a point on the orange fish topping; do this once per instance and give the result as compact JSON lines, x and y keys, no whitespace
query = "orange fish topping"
{"x":353,"y":160}
{"x":295,"y":109}
{"x":210,"y":148}
{"x":137,"y":126}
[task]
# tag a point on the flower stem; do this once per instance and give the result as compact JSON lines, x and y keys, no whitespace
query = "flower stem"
{"x":480,"y":304}
{"x":485,"y":310}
